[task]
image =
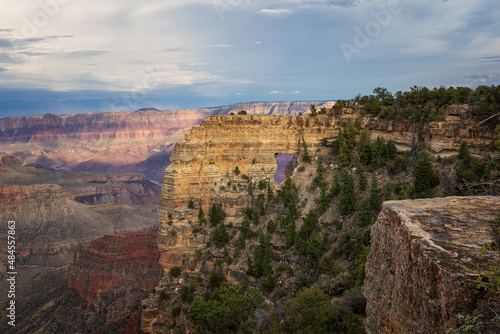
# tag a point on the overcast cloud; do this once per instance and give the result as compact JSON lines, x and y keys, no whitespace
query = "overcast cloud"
{"x":122,"y":54}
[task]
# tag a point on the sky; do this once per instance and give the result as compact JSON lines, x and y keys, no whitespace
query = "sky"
{"x":68,"y":56}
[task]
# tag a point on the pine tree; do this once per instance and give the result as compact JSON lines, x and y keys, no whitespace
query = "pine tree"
{"x":270,"y":193}
{"x":217,"y":215}
{"x":425,"y":176}
{"x":290,"y":233}
{"x":344,"y":158}
{"x":305,"y":156}
{"x":310,"y":225}
{"x":201,"y":216}
{"x":347,"y":203}
{"x":221,"y":237}
{"x":364,"y":212}
{"x":374,"y":194}
{"x":365,"y":148}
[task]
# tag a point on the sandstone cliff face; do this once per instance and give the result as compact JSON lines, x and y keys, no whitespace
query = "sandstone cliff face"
{"x":442,"y":138}
{"x":202,"y":166}
{"x":421,"y":270}
{"x":202,"y":170}
{"x":115,"y":142}
{"x":106,"y":283}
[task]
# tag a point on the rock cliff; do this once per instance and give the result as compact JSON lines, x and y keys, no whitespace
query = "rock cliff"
{"x":202,"y":166}
{"x":115,"y":142}
{"x":202,"y":170}
{"x":225,"y":160}
{"x":106,"y":283}
{"x":421,"y":270}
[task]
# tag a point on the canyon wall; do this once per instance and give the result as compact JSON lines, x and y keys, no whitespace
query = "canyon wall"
{"x":202,"y":166}
{"x":421,"y":270}
{"x":115,"y":142}
{"x":202,"y":170}
{"x":105,"y":285}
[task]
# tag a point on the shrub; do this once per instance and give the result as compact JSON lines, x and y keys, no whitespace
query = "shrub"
{"x":355,"y":300}
{"x":191,"y":204}
{"x":336,"y":285}
{"x":187,"y":293}
{"x":164,"y":295}
{"x":220,"y":236}
{"x":176,"y":311}
{"x":228,"y":311}
{"x":175,"y":272}
{"x":215,"y":279}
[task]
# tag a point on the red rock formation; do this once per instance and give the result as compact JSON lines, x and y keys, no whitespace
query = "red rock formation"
{"x":106,"y":283}
{"x":115,"y":142}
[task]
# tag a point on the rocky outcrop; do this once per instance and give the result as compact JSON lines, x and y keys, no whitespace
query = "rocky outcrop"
{"x":422,"y":267}
{"x":106,"y":283}
{"x":202,"y":169}
{"x":115,"y":142}
{"x":442,"y":138}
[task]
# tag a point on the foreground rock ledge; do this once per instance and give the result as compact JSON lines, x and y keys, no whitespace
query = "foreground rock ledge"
{"x":422,"y":267}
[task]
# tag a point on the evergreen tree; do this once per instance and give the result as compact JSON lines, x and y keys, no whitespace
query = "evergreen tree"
{"x":221,"y":237}
{"x":305,"y":156}
{"x":364,"y":212}
{"x":270,"y":193}
{"x":365,"y":148}
{"x":347,"y":203}
{"x":290,"y":232}
{"x":374,"y":194}
{"x":336,"y":187}
{"x":350,"y":134}
{"x":344,"y":157}
{"x":363,"y":180}
{"x":201,"y":216}
{"x":217,"y":215}
{"x":425,"y":176}
{"x":310,"y":225}
{"x":261,"y":256}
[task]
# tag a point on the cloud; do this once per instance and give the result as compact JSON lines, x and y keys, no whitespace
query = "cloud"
{"x":32,"y":54}
{"x":275,"y":92}
{"x":257,"y":43}
{"x":239,"y":94}
{"x":490,"y":58}
{"x":337,"y":3}
{"x":8,"y":58}
{"x":84,"y":53}
{"x":274,"y":12}
{"x":221,"y":46}
{"x":295,"y":92}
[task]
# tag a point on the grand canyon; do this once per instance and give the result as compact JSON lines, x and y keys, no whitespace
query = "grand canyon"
{"x":132,"y":221}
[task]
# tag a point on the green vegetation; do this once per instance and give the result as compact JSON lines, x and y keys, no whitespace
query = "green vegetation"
{"x":304,"y":246}
{"x":175,"y":272}
{"x":228,"y":311}
{"x":311,"y":311}
{"x":421,"y":104}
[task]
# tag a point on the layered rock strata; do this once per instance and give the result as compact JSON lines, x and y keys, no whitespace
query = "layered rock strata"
{"x":203,"y":170}
{"x":422,"y":267}
{"x":106,"y":283}
{"x":116,"y":142}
